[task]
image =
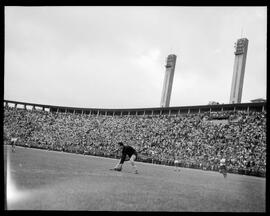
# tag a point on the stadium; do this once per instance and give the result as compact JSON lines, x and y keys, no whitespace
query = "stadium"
{"x":45,"y":137}
{"x":64,"y":140}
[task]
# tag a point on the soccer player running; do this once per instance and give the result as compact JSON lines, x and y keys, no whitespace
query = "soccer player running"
{"x":176,"y":163}
{"x":13,"y":141}
{"x":131,"y":152}
{"x":222,"y":167}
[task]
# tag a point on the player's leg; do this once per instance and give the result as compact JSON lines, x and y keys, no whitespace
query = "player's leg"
{"x":12,"y":146}
{"x":178,"y":166}
{"x":224,"y":172}
{"x":118,"y":166}
{"x":132,"y":161}
{"x":175,"y":165}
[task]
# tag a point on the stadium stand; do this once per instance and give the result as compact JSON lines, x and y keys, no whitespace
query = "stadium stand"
{"x":197,"y":140}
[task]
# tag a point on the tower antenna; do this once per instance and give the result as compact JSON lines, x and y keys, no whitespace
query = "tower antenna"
{"x":171,"y":46}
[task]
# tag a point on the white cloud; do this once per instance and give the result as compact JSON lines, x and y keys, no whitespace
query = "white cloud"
{"x":217,"y":51}
{"x":149,"y":64}
{"x":149,"y":60}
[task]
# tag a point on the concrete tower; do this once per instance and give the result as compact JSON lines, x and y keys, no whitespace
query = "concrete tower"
{"x":241,"y":48}
{"x":168,"y":81}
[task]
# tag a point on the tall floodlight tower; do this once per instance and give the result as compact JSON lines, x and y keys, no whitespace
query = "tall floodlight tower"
{"x":241,"y":48}
{"x":168,"y":81}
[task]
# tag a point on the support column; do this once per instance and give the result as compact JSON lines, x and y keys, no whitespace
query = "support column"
{"x":168,"y":81}
{"x":241,"y":48}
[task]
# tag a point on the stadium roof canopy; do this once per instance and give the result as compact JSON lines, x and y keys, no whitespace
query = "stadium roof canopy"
{"x":258,"y":100}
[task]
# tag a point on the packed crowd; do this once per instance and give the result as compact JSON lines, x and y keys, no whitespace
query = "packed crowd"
{"x":196,"y":140}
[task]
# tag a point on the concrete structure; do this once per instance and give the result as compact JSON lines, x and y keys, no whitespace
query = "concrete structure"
{"x":170,"y":111}
{"x":241,"y":48}
{"x":168,"y":81}
{"x":258,"y":100}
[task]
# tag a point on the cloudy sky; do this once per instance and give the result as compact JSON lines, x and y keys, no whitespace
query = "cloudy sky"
{"x":114,"y":57}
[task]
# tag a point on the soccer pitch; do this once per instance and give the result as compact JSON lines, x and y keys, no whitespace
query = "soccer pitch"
{"x":47,"y":180}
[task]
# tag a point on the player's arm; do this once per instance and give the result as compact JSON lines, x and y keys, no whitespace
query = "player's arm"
{"x":114,"y":151}
{"x":123,"y":157}
{"x":121,"y":161}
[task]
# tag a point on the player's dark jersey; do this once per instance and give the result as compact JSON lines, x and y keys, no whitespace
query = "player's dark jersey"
{"x":127,"y":150}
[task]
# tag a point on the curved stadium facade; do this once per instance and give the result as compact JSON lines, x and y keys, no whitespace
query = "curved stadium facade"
{"x":144,"y":111}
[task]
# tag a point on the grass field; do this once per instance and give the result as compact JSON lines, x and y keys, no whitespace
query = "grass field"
{"x":46,"y":180}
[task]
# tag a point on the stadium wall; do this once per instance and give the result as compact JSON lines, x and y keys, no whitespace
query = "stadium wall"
{"x":143,"y":111}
